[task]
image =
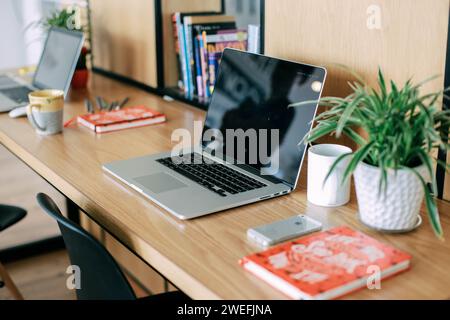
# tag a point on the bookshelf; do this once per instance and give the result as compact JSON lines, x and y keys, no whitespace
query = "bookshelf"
{"x":245,"y":11}
{"x":143,"y":54}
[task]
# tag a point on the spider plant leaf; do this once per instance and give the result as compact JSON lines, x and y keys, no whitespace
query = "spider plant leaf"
{"x":421,"y":83}
{"x":432,"y":209}
{"x":443,"y":165}
{"x":303,"y":103}
{"x":382,"y":84}
{"x":357,"y":76}
{"x":357,"y":158}
{"x":334,"y":165}
{"x":346,"y":115}
{"x":357,"y":138}
{"x":426,"y":160}
{"x":319,"y":132}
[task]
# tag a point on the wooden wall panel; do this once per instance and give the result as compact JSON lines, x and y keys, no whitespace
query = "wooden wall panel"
{"x":123,"y":38}
{"x":168,"y":8}
{"x":410,"y":43}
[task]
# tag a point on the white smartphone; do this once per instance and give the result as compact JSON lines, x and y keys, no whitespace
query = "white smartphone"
{"x":279,"y":231}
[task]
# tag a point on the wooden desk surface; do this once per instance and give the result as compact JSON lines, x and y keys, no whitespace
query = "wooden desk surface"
{"x":200,"y":256}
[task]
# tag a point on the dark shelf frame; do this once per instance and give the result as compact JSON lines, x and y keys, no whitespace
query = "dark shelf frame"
{"x":442,"y":155}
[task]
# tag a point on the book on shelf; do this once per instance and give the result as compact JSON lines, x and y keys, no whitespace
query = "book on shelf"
{"x":216,"y":44}
{"x":327,"y":265}
{"x":254,"y":38}
{"x":181,"y":46}
{"x":200,"y":39}
{"x":193,"y":27}
{"x":131,"y":117}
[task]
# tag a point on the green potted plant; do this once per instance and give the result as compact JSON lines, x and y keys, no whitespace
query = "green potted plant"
{"x":67,"y":19}
{"x":396,"y":130}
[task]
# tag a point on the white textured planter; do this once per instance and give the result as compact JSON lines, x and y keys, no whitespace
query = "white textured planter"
{"x":396,"y":210}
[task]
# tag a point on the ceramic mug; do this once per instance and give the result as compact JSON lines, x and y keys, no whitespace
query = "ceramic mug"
{"x":45,"y":111}
{"x":333,"y":192}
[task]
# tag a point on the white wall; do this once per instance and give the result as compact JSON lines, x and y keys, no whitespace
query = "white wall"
{"x":21,"y":45}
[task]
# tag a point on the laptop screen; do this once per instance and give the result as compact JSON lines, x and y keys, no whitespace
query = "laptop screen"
{"x":59,"y":58}
{"x":251,"y":99}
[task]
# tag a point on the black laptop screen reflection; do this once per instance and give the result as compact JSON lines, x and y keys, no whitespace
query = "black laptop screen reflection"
{"x":252,"y":93}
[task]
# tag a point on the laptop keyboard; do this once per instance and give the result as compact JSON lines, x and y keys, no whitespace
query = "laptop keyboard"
{"x":18,"y":94}
{"x":214,"y":176}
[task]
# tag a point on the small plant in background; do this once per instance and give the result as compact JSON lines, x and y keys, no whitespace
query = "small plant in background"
{"x":396,"y":130}
{"x":69,"y":18}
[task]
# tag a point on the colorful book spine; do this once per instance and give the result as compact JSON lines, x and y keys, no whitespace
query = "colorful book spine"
{"x":204,"y":61}
{"x":190,"y":59}
{"x":178,"y":51}
{"x":182,"y":57}
{"x":198,"y":67}
{"x":187,"y":57}
{"x":213,"y":62}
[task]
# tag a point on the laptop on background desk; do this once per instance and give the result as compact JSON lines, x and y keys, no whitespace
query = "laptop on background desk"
{"x":251,"y":95}
{"x":55,"y":70}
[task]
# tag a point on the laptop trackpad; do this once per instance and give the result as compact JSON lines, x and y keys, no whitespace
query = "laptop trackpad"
{"x":160,"y":182}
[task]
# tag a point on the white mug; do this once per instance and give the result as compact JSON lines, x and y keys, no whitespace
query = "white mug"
{"x":334,"y":192}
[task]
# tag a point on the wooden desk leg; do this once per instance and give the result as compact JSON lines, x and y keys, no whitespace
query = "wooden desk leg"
{"x":9,"y":283}
{"x":73,"y":212}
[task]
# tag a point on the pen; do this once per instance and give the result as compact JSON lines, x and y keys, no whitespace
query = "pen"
{"x":123,"y":103}
{"x":112,"y":106}
{"x":99,"y":103}
{"x":89,"y":106}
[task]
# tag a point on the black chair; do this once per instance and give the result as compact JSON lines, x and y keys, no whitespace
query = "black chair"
{"x":9,"y":216}
{"x":100,"y":275}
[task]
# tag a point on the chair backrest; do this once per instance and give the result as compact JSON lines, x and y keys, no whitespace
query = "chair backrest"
{"x":101,"y":278}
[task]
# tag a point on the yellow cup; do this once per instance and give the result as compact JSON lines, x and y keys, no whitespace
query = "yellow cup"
{"x":45,"y":111}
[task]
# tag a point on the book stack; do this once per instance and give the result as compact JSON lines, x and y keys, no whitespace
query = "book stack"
{"x":200,"y":39}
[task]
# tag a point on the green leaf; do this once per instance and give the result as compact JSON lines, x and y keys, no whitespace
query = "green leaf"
{"x":334,"y":166}
{"x":319,"y":132}
{"x":349,"y":132}
{"x":357,"y":158}
{"x":432,"y":209}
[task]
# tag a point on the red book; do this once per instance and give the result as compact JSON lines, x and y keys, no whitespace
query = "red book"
{"x":326,"y":265}
{"x":121,"y":119}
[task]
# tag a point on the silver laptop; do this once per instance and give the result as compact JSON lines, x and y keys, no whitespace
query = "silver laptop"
{"x":55,"y":70}
{"x":251,"y":148}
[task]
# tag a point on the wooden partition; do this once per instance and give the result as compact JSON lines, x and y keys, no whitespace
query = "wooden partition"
{"x":406,"y":38}
{"x":124,"y":38}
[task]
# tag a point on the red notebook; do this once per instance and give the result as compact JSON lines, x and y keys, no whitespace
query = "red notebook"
{"x":121,"y":119}
{"x":326,"y":265}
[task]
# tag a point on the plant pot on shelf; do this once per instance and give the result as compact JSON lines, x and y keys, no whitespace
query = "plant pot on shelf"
{"x":80,"y":79}
{"x":396,"y":209}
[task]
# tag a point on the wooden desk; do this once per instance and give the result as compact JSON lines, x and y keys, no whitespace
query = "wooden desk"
{"x":200,"y":256}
